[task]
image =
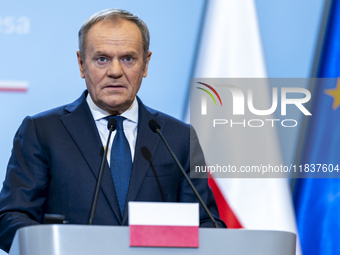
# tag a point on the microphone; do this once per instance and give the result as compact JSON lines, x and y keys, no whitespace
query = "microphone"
{"x":155,"y":127}
{"x":111,"y":126}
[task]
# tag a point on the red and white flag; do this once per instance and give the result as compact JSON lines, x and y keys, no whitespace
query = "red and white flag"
{"x":164,"y":224}
{"x":13,"y":86}
{"x":231,"y":47}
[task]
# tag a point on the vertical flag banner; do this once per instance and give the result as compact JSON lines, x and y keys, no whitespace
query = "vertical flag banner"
{"x":231,"y":47}
{"x":317,"y":201}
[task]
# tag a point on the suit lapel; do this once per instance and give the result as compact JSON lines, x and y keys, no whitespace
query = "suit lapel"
{"x":146,"y":145}
{"x":82,"y":128}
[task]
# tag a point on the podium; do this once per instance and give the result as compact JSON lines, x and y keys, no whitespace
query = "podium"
{"x":105,"y":240}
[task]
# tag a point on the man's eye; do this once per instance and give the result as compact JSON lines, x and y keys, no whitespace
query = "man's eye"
{"x":102,"y":61}
{"x":128,"y":59}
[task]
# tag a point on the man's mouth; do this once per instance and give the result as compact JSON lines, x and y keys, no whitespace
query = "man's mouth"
{"x":114,"y":86}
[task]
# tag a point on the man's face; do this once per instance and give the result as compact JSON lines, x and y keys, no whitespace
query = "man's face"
{"x":113,"y":67}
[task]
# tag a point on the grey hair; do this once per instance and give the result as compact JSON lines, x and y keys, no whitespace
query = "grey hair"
{"x":113,"y":15}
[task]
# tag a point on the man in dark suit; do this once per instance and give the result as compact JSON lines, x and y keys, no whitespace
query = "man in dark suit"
{"x":56,"y":154}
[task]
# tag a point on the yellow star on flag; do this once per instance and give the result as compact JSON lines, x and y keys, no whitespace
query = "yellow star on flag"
{"x":335,"y":93}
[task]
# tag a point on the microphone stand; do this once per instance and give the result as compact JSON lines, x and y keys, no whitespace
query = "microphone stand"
{"x":112,"y":124}
{"x":156,"y":128}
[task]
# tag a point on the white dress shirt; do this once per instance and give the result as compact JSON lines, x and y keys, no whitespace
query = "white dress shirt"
{"x":130,"y":124}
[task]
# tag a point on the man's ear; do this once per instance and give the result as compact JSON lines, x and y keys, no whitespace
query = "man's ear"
{"x":80,"y":64}
{"x":145,"y":73}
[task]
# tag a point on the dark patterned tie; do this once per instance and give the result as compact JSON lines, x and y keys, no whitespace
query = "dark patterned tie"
{"x":120,"y":163}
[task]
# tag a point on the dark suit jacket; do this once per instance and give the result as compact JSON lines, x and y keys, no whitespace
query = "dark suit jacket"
{"x":55,"y":162}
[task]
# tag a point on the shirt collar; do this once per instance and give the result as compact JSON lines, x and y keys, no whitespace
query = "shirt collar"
{"x":131,"y":114}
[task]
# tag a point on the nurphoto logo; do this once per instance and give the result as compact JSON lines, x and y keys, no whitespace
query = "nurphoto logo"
{"x":239,"y":98}
{"x":242,"y":104}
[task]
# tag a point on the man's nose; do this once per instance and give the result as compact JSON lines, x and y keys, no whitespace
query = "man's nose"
{"x":115,"y":70}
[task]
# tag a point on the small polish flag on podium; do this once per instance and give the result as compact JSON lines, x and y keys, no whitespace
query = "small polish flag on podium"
{"x":155,"y":224}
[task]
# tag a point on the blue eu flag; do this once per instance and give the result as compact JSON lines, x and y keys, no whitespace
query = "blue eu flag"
{"x":317,"y":200}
